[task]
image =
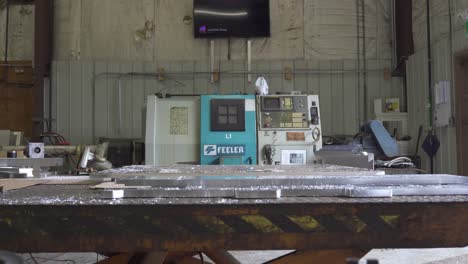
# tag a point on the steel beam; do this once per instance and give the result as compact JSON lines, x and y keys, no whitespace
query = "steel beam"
{"x":150,"y":228}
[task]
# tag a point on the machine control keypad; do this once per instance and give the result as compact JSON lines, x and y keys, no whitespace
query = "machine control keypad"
{"x":284,"y":112}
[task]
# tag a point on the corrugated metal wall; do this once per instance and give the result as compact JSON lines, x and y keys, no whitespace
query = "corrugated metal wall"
{"x":440,"y":19}
{"x":417,"y":84}
{"x":73,"y":91}
{"x":446,"y":161}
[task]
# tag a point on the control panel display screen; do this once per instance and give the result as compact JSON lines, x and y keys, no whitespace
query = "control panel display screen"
{"x":284,"y":112}
{"x":271,"y":103}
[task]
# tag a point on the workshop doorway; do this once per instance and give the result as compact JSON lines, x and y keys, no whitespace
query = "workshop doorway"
{"x":461,"y":101}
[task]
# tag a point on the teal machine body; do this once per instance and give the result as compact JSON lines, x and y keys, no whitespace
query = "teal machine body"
{"x":228,"y":130}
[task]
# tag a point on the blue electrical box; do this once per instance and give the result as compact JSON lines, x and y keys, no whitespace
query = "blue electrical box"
{"x":228,"y":130}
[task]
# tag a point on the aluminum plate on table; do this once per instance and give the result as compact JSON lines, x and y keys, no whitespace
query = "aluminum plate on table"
{"x":271,"y":187}
{"x":187,"y":171}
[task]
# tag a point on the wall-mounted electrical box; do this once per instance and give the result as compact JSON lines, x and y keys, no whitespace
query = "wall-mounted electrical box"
{"x":289,"y":129}
{"x":228,"y":133}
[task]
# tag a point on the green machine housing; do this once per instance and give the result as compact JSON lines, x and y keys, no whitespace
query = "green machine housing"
{"x":228,"y":130}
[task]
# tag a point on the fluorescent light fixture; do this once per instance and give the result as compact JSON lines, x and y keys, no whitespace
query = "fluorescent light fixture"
{"x":216,"y":13}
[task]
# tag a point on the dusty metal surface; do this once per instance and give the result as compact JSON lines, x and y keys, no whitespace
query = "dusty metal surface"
{"x":244,"y":187}
{"x":273,"y":193}
{"x":76,"y":195}
{"x":193,"y":171}
{"x":292,"y":181}
{"x":270,"y":182}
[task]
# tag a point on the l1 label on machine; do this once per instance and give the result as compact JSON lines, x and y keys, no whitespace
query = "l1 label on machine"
{"x":224,"y":150}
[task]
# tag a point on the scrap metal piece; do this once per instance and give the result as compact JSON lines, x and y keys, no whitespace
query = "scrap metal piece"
{"x":258,"y":194}
{"x":114,"y":186}
{"x":369,"y":193}
{"x":36,"y":164}
{"x":191,"y":193}
{"x":12,"y":172}
{"x":306,"y":191}
{"x":293,"y":181}
{"x":436,"y":190}
{"x":46,"y":162}
{"x":167,"y":193}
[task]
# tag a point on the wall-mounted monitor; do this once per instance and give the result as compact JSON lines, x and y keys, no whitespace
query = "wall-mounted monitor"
{"x":231,"y":18}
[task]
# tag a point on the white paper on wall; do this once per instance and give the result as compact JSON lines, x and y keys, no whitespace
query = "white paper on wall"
{"x":443,"y":103}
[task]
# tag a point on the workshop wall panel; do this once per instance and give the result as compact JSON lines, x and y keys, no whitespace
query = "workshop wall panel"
{"x":154,"y":30}
{"x":447,"y":49}
{"x":75,"y":101}
{"x":446,"y":160}
{"x":337,"y":95}
{"x":417,"y":86}
{"x":86,"y":93}
{"x":327,"y":103}
{"x":61,"y":88}
{"x":328,"y":37}
{"x":351,"y":100}
{"x":71,"y":86}
{"x":129,"y":87}
{"x":151,"y":85}
{"x":440,"y":20}
{"x":202,"y":81}
{"x":100,"y":100}
{"x":20,"y":32}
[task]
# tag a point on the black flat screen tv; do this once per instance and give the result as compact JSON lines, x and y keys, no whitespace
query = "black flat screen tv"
{"x":231,"y":18}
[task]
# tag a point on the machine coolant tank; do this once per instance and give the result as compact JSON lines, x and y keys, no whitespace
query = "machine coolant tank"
{"x":228,"y":133}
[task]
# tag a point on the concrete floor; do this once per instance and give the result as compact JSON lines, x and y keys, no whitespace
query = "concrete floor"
{"x":68,"y":258}
{"x":386,"y":256}
{"x":419,"y":256}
